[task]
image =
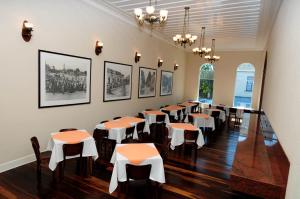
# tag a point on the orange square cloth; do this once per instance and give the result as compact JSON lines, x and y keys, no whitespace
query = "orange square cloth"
{"x":71,"y":137}
{"x":173,"y":108}
{"x":130,"y":120}
{"x":154,"y":113}
{"x":183,"y":126}
{"x":116,"y":124}
{"x":201,"y":115}
{"x":137,"y":153}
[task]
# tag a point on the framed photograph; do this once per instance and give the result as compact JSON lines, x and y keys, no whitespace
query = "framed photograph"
{"x":63,"y":79}
{"x":117,"y":81}
{"x":147,"y":82}
{"x":166,"y":83}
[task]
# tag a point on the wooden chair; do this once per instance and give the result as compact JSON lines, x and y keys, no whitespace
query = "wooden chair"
{"x":191,"y":119}
{"x":102,"y":132}
{"x":140,"y":129}
{"x":162,"y":141}
{"x":149,"y":109}
{"x":141,"y":115}
{"x":232,"y":114}
{"x":139,"y":176}
{"x":184,"y":115}
{"x":41,"y":160}
{"x":171,"y":117}
{"x":72,"y":150}
{"x":160,"y":118}
{"x":68,"y":129}
{"x":216,"y":116}
{"x":220,"y":108}
{"x":105,"y":148}
{"x":129,"y":135}
{"x":115,"y":118}
{"x":190,"y":139}
{"x":104,"y":121}
{"x":194,"y":108}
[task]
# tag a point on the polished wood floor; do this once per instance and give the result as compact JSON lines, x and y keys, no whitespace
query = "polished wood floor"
{"x":207,"y":177}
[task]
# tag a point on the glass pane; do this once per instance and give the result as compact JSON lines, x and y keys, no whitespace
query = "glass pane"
{"x":206,"y":84}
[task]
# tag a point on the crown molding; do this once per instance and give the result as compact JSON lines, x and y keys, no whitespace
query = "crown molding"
{"x":108,"y":8}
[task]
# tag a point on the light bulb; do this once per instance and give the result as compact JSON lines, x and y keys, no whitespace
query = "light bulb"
{"x":164,"y":13}
{"x":174,"y":38}
{"x":178,"y":36}
{"x":188,"y":36}
{"x":138,"y":12}
{"x":194,"y":37}
{"x":28,"y":25}
{"x":150,"y":9}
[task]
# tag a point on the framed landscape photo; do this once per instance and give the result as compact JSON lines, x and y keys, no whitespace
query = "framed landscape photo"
{"x":166,"y":83}
{"x":147,"y":82}
{"x":117,"y":81}
{"x":63,"y":79}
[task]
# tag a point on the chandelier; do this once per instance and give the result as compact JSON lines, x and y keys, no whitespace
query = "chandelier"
{"x":150,"y":16}
{"x":202,"y":50}
{"x":186,"y":37}
{"x":212,"y":57}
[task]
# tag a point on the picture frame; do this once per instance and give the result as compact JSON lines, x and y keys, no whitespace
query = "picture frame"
{"x":147,"y":82}
{"x":117,"y":83}
{"x":166,"y":83}
{"x":63,"y":79}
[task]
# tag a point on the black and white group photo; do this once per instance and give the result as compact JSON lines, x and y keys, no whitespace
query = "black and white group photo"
{"x":147,"y":82}
{"x":117,"y":81}
{"x":64,"y":79}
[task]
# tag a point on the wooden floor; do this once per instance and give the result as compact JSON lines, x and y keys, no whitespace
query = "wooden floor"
{"x":208,"y":177}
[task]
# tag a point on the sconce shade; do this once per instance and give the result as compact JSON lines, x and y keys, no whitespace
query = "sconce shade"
{"x":160,"y":62}
{"x":98,"y":48}
{"x":27,"y":28}
{"x":137,"y":57}
{"x":176,"y":66}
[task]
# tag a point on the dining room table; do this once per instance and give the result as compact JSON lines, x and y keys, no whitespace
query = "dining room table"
{"x":201,"y":120}
{"x":188,"y":105}
{"x":209,"y":111}
{"x":58,"y":139}
{"x":117,"y":128}
{"x":150,"y":116}
{"x":136,"y":154}
{"x":176,"y":133}
{"x":173,"y":111}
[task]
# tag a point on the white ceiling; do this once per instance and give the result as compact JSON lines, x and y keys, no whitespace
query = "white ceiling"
{"x":235,"y":24}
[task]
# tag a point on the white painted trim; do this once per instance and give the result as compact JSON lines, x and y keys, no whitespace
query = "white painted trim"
{"x":17,"y":162}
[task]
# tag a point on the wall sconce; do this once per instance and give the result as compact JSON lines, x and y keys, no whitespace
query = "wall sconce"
{"x":27,"y":28}
{"x":160,"y":62}
{"x":98,"y":48}
{"x":137,"y":57}
{"x":176,"y":66}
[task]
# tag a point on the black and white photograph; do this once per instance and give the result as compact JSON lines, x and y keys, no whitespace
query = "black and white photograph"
{"x":147,"y":82}
{"x":166,"y":83}
{"x":117,"y":81}
{"x":63,"y":79}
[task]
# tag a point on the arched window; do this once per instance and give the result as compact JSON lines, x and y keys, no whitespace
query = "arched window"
{"x":244,"y":83}
{"x":206,"y":83}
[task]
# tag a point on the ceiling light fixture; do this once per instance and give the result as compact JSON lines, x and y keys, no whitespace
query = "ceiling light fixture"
{"x":150,"y":15}
{"x":202,"y":50}
{"x":186,"y":37}
{"x":212,"y":57}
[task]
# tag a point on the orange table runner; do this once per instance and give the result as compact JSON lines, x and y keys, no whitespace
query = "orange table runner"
{"x":137,"y":153}
{"x":154,"y":113}
{"x":183,"y":126}
{"x":188,"y":104}
{"x":130,"y":120}
{"x":214,"y":109}
{"x":173,"y":108}
{"x":201,"y":115}
{"x":71,"y":137}
{"x":116,"y":124}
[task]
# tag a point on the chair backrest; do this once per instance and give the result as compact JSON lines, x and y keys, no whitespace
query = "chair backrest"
{"x":160,"y":118}
{"x":105,"y":148}
{"x":141,"y":115}
{"x":191,"y":119}
{"x":232,"y":110}
{"x":149,"y":109}
{"x":141,"y":172}
{"x":103,"y":121}
{"x":190,"y":136}
{"x":72,"y":149}
{"x":103,"y":133}
{"x":220,"y":108}
{"x":215,"y":114}
{"x":68,"y":129}
{"x":129,"y":132}
{"x":140,"y":127}
{"x":115,"y":118}
{"x":36,"y":148}
{"x":194,"y":108}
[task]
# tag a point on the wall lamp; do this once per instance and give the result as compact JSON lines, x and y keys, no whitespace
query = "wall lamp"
{"x":160,"y":62}
{"x":98,"y":47}
{"x":27,"y":28}
{"x":176,"y":66}
{"x":137,"y":57}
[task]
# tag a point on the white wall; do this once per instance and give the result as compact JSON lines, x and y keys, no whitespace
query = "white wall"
{"x":70,"y":27}
{"x":282,"y":96}
{"x":225,"y":75}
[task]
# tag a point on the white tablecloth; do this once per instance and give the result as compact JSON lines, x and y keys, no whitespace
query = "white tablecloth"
{"x":202,"y":122}
{"x":174,"y":113}
{"x":151,"y":118}
{"x":57,"y":155}
{"x":177,"y":137}
{"x":119,"y":172}
{"x":222,"y":113}
{"x":119,"y":134}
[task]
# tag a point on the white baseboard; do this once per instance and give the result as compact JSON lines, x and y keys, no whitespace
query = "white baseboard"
{"x":16,"y":163}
